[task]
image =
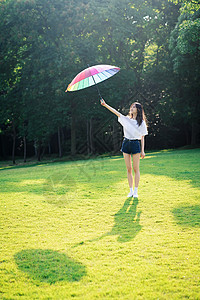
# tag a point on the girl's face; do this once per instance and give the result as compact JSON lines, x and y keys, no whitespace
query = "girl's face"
{"x":133,"y":109}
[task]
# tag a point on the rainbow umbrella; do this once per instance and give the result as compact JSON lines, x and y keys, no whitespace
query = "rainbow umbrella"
{"x":92,"y":76}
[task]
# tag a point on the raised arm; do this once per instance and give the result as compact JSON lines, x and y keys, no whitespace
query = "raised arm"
{"x":114,"y":111}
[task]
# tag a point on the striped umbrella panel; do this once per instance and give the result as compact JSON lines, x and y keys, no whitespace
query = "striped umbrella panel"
{"x":92,"y":75}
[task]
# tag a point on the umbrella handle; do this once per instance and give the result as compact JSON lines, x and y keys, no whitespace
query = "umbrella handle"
{"x":96,"y":86}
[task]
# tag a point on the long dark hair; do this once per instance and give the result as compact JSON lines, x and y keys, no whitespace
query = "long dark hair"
{"x":140,"y":113}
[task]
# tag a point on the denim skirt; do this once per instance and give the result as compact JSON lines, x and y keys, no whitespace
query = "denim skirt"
{"x":130,"y":146}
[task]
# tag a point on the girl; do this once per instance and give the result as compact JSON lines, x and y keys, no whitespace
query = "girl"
{"x":135,"y":128}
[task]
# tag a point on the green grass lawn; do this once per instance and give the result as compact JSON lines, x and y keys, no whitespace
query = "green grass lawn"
{"x":68,"y":230}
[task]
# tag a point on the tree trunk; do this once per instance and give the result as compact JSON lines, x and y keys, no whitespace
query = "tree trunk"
{"x":43,"y":151}
{"x":62,"y":138}
{"x":24,"y":148}
{"x":35,"y":148}
{"x":88,"y":137}
{"x":195,"y":130}
{"x":91,"y":137}
{"x":59,"y":143}
{"x":3,"y":146}
{"x":14,"y":141}
{"x":39,"y":151}
{"x":73,"y":129}
{"x":187,"y":135}
{"x":49,"y":148}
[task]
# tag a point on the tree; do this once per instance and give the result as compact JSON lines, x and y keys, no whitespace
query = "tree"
{"x":45,"y":43}
{"x":184,"y":44}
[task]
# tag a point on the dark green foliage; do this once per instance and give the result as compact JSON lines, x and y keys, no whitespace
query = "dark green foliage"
{"x":45,"y":43}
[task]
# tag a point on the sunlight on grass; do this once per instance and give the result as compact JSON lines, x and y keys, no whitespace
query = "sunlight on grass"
{"x":29,"y":182}
{"x":68,"y":230}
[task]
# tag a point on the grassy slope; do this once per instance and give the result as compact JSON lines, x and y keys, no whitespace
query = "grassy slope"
{"x":68,"y":230}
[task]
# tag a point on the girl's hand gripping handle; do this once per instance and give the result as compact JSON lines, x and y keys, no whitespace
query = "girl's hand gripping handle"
{"x":102,"y":102}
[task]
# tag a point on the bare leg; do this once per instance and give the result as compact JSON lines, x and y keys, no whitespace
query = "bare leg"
{"x":136,"y":164}
{"x":127,"y":158}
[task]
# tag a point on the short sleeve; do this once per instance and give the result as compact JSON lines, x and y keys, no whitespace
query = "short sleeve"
{"x":122,"y":120}
{"x":143,"y":128}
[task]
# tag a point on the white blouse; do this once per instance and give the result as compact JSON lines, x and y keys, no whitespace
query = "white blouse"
{"x":131,"y":129}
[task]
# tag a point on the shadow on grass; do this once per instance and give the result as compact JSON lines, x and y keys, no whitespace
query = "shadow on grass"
{"x":49,"y":266}
{"x":187,"y":215}
{"x":127,"y":223}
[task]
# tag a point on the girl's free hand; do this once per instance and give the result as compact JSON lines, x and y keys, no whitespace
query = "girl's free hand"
{"x":142,"y":154}
{"x":102,"y":102}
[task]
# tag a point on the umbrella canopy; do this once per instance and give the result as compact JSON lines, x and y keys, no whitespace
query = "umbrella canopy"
{"x":91,"y":76}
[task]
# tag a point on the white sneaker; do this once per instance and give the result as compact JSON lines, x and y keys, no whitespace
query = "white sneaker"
{"x":135,"y":195}
{"x":130,"y":195}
